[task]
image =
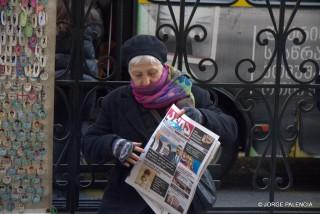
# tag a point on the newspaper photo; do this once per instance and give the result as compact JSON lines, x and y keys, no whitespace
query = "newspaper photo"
{"x":175,"y":157}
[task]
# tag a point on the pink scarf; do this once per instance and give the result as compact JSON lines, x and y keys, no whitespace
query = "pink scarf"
{"x":170,"y":88}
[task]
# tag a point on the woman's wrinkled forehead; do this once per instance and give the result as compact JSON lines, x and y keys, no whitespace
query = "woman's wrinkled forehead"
{"x":146,"y":68}
{"x":143,"y":59}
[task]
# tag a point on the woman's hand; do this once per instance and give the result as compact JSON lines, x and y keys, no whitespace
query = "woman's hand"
{"x":124,"y":150}
{"x":133,"y":158}
{"x":193,"y":113}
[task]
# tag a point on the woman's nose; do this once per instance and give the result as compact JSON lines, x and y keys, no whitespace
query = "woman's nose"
{"x":145,"y":81}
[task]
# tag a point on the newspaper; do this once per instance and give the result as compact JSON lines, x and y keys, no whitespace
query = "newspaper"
{"x":175,"y":157}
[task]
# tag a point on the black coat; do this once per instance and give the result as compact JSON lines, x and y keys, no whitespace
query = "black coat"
{"x":121,"y":116}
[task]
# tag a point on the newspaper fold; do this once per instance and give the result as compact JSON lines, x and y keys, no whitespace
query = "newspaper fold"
{"x":175,"y":157}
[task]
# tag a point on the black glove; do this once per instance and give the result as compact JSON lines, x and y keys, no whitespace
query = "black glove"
{"x":122,"y":149}
{"x":194,"y":114}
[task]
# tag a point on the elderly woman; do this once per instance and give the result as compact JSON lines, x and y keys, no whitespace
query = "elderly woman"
{"x":126,"y":121}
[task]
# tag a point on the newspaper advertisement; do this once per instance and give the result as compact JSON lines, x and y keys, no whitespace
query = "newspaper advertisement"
{"x":175,"y":157}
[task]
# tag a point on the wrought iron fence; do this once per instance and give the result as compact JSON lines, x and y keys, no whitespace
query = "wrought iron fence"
{"x":81,"y":87}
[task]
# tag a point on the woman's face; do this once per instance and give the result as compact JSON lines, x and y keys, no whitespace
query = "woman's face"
{"x":145,"y":73}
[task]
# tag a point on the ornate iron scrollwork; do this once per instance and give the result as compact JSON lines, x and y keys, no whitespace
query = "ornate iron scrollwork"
{"x":181,"y":33}
{"x":275,"y":138}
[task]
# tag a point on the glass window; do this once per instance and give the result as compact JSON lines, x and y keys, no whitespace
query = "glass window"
{"x":201,"y":2}
{"x":288,"y":2}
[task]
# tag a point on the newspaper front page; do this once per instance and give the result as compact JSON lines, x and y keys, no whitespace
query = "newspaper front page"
{"x":175,"y":157}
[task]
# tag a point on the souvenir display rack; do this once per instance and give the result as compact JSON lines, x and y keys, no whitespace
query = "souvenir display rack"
{"x":26,"y":97}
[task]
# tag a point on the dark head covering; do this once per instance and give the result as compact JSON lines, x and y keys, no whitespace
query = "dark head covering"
{"x":143,"y":45}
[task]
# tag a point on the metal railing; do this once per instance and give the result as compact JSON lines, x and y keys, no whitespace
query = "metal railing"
{"x":71,"y":175}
